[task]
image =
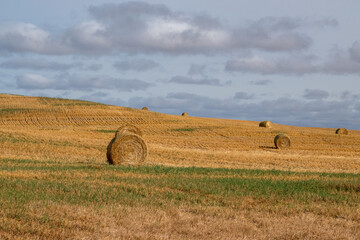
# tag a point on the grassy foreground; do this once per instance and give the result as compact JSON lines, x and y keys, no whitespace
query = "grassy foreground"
{"x":50,"y":199}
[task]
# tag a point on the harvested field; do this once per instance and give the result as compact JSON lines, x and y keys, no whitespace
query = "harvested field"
{"x":203,"y":178}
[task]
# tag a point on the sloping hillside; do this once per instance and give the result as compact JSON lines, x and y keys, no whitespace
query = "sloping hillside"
{"x":55,"y":182}
{"x":79,"y":131}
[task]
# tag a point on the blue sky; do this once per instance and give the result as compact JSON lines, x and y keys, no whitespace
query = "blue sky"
{"x":291,"y":62}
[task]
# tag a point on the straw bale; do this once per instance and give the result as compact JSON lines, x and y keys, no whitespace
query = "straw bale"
{"x":282,"y":141}
{"x":128,"y":129}
{"x":185,"y":114}
{"x":145,"y":109}
{"x":265,"y":124}
{"x":342,"y":131}
{"x":127,"y":149}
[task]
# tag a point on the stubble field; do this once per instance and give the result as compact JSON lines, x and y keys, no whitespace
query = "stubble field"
{"x":203,"y":178}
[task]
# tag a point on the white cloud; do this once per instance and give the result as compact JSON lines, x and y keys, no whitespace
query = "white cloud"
{"x":197,"y":81}
{"x":158,"y":29}
{"x":34,"y":81}
{"x":316,"y":94}
{"x":81,"y":83}
{"x":139,"y":27}
{"x":138,"y":65}
{"x":26,"y":37}
{"x":272,"y":34}
{"x":94,"y":67}
{"x":343,"y":62}
{"x":88,"y":37}
{"x":243,"y":96}
{"x":262,"y":82}
{"x":253,"y":64}
{"x":36,"y":64}
{"x":295,"y":65}
{"x":172,"y":34}
{"x":355,"y":51}
{"x":196,"y":69}
{"x":339,"y":62}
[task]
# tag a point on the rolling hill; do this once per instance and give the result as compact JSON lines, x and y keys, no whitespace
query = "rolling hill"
{"x":203,"y":178}
{"x":72,"y":130}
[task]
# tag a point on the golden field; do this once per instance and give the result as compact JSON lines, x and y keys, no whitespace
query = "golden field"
{"x":73,"y":130}
{"x":64,"y":141}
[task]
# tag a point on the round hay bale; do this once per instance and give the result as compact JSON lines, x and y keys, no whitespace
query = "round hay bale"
{"x":145,"y":109}
{"x":127,"y":149}
{"x":282,"y":141}
{"x":128,"y":129}
{"x":185,"y":114}
{"x":343,"y":131}
{"x":265,"y":124}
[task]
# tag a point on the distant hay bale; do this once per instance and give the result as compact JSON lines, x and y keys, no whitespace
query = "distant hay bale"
{"x":265,"y":124}
{"x":145,"y":109}
{"x":342,"y":131}
{"x":185,"y":114}
{"x":127,"y":149}
{"x":282,"y":141}
{"x":128,"y":129}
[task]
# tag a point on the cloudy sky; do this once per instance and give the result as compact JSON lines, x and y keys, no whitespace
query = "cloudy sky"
{"x":292,"y":62}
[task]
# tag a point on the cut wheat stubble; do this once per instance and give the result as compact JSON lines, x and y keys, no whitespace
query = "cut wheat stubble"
{"x":282,"y":141}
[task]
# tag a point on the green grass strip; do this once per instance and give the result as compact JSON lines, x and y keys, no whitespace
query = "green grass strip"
{"x":158,"y":185}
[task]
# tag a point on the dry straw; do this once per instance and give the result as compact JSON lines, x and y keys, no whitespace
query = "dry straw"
{"x":185,"y":114}
{"x":128,"y":129}
{"x":266,"y":124}
{"x":145,"y":109}
{"x":282,"y":141}
{"x":343,"y":131}
{"x":127,"y":149}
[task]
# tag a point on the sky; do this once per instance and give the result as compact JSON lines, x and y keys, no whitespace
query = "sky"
{"x":290,"y":62}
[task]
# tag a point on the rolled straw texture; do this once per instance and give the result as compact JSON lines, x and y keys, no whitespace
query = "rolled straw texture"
{"x":266,"y":124}
{"x":128,"y":129}
{"x":343,"y":131}
{"x":127,"y":149}
{"x":282,"y":141}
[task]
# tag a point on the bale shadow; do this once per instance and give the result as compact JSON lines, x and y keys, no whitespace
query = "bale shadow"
{"x":267,"y":147}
